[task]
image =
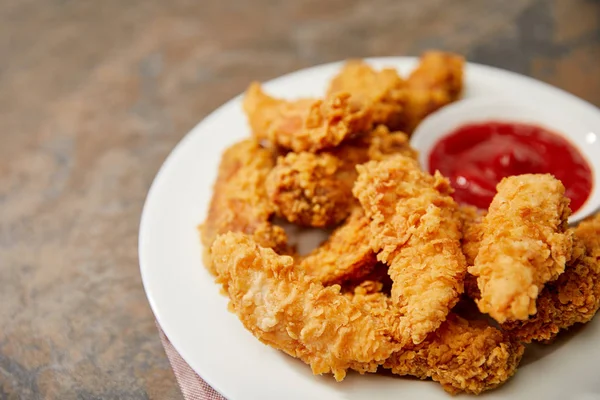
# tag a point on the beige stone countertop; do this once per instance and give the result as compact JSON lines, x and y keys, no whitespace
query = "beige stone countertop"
{"x":94,"y":95}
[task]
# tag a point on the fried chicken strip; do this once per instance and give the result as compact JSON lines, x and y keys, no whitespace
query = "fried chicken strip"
{"x":436,"y":82}
{"x":464,"y":356}
{"x":380,"y":90}
{"x":574,"y":297}
{"x":345,"y":256}
{"x":291,"y":312}
{"x":305,"y":189}
{"x":240,"y":202}
{"x":305,"y":124}
{"x":333,"y":332}
{"x":316,"y":189}
{"x":524,"y":245}
{"x":415,"y":229}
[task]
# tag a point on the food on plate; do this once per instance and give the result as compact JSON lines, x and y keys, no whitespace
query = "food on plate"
{"x":437,"y":81}
{"x":525,"y":244}
{"x":476,"y":156}
{"x":305,"y":189}
{"x":291,"y":312}
{"x":383,"y":143}
{"x":407,"y":280}
{"x":345,"y":256}
{"x":333,"y":332}
{"x":472,"y":232}
{"x":383,"y":91}
{"x":240,"y":202}
{"x":415,"y":230}
{"x":462,"y":355}
{"x":306,"y":124}
{"x":315,"y":189}
{"x":574,"y":297}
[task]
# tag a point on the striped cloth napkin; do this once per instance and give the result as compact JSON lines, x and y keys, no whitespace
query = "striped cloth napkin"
{"x":192,"y":386}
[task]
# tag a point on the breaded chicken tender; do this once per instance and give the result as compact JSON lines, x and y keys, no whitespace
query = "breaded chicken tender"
{"x":416,"y":230}
{"x":464,"y":356}
{"x":333,"y":332}
{"x":316,"y":189}
{"x":381,"y":91}
{"x":306,"y":190}
{"x":525,"y":244}
{"x":305,"y":124}
{"x":291,"y":312}
{"x":239,"y":202}
{"x":345,"y":256}
{"x":574,"y":297}
{"x":436,"y":82}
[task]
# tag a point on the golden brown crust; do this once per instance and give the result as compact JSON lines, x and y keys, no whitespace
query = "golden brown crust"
{"x":436,"y":82}
{"x":239,"y":202}
{"x":338,"y":308}
{"x":524,"y":245}
{"x":291,"y":312}
{"x":415,"y":230}
{"x":472,"y":233}
{"x":305,"y":124}
{"x":345,"y":256}
{"x":316,"y":189}
{"x":574,"y":297}
{"x":305,"y":190}
{"x":464,"y":356}
{"x":381,"y":91}
{"x":334,"y":332}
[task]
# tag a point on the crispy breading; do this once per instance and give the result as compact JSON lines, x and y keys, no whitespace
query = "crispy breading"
{"x":472,"y":233}
{"x":289,"y":311}
{"x":464,"y":356}
{"x":333,"y":332}
{"x":383,"y":143}
{"x":377,"y":278}
{"x":436,"y":82}
{"x":382,"y":91}
{"x":345,"y":256}
{"x":524,"y":245}
{"x":574,"y":297}
{"x":415,"y":229}
{"x":438,"y":70}
{"x":305,"y":124}
{"x":316,"y":189}
{"x":304,"y":188}
{"x":240,"y":202}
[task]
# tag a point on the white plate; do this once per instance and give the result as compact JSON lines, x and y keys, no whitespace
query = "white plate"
{"x":193,"y":314}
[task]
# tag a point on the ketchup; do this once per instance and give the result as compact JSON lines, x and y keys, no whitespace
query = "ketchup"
{"x":476,"y":157}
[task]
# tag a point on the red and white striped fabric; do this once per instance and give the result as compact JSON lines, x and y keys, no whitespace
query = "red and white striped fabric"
{"x":192,"y":386}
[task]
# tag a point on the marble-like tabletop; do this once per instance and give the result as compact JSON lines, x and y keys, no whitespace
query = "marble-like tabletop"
{"x":94,"y":95}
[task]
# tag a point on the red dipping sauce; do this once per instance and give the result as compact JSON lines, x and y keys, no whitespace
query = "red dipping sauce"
{"x":476,"y":157}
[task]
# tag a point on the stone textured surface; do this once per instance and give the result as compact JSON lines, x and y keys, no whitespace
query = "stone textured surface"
{"x":93,"y":95}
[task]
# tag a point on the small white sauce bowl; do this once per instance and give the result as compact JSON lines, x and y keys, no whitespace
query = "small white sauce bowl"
{"x":584,"y":135}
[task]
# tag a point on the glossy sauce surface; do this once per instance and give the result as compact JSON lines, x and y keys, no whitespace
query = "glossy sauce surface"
{"x":476,"y":157}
